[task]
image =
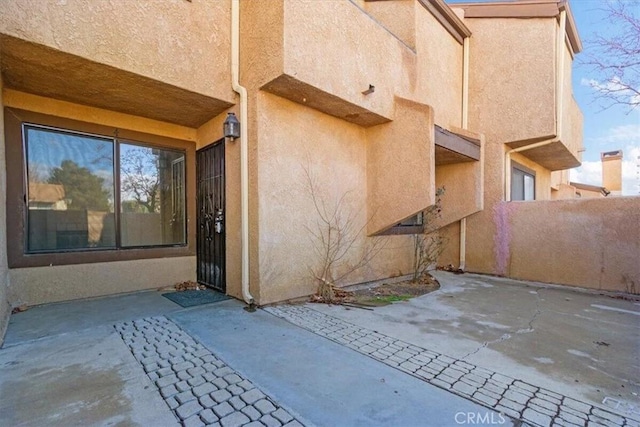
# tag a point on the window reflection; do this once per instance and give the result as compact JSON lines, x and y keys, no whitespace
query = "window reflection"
{"x":152,"y":196}
{"x":70,"y":190}
{"x":72,"y":195}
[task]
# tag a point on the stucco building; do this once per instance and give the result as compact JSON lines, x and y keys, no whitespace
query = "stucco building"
{"x":372,"y":105}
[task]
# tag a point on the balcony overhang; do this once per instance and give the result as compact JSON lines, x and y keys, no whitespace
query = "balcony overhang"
{"x":41,"y":70}
{"x":305,"y":94}
{"x":452,"y":147}
{"x":553,"y":156}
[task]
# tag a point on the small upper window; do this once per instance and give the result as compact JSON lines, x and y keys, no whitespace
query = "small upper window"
{"x":523,"y":183}
{"x":412,"y":225}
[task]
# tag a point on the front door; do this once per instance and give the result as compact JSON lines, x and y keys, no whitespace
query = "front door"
{"x":211,"y":210}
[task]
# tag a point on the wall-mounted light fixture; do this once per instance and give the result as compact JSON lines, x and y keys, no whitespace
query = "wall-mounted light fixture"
{"x":371,"y":89}
{"x":231,"y":127}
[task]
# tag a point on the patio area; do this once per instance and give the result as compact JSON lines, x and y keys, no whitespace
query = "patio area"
{"x":581,"y":343}
{"x":494,"y":349}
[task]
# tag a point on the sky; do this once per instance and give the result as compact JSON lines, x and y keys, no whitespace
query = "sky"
{"x":611,"y":129}
{"x":616,"y":128}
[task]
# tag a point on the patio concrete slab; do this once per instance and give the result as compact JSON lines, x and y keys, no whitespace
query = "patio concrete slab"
{"x":80,"y":378}
{"x":71,"y":364}
{"x":322,"y":382}
{"x":580,"y":344}
{"x":66,"y":364}
{"x":53,"y":319}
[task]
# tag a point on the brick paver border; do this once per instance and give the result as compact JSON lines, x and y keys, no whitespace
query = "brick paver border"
{"x":197,"y":386}
{"x":514,"y":398}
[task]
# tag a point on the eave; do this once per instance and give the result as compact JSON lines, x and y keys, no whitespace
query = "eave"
{"x":524,"y":9}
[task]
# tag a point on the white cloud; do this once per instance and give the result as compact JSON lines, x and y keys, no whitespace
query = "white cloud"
{"x":613,"y":87}
{"x":588,"y":173}
{"x":626,"y":138}
{"x":625,"y":135}
{"x":591,"y":172}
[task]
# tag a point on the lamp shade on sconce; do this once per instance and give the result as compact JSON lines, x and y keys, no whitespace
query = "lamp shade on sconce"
{"x":231,"y":127}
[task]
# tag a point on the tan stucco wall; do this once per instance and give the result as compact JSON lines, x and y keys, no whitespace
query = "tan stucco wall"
{"x":292,"y":138}
{"x":587,"y":194}
{"x":400,"y":166}
{"x":560,"y":177}
{"x":181,"y":43}
{"x":340,"y":50}
{"x":321,"y":56}
{"x":612,"y":174}
{"x":262,"y":42}
{"x":398,"y":16}
{"x":324,"y":54}
{"x":564,"y":191}
{"x":592,"y":243}
{"x":32,"y":286}
{"x":5,"y":308}
{"x":451,"y":253}
{"x":483,"y":227}
{"x":438,"y":70}
{"x":572,"y":119}
{"x":512,"y":78}
{"x":513,"y":98}
{"x":463,"y":185}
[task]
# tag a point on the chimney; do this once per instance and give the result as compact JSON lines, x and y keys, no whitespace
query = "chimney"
{"x":612,"y":171}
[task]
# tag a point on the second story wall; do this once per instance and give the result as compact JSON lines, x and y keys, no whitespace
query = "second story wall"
{"x":512,"y":78}
{"x":181,"y":43}
{"x":439,"y":69}
{"x":398,"y":16}
{"x":572,"y":120}
{"x":325,"y":54}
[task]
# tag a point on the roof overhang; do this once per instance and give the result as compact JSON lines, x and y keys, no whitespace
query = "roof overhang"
{"x":555,"y":155}
{"x":525,"y":9}
{"x":588,"y":187}
{"x":453,"y":147}
{"x":44,"y":71}
{"x":447,"y":18}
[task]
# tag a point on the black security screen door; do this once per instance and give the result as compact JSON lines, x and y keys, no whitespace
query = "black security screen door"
{"x":210,"y":204}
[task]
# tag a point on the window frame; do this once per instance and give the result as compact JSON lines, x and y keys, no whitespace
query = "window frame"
{"x":415,"y":226}
{"x":18,"y":255}
{"x":25,"y":168}
{"x":118,"y":199}
{"x":525,"y":171}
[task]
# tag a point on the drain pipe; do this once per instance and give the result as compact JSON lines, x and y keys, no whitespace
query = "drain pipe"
{"x":559,"y":107}
{"x":244,"y":157}
{"x":465,"y":125}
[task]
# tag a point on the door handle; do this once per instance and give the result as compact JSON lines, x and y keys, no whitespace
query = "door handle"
{"x":218,"y":222}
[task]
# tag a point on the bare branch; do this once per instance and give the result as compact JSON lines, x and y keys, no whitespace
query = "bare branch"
{"x":428,"y":246}
{"x":614,"y":59}
{"x":335,"y":237}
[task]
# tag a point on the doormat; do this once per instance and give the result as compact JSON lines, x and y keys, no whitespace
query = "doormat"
{"x":191,"y":298}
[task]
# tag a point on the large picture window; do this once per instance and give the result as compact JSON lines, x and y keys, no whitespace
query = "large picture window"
{"x":87,"y":192}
